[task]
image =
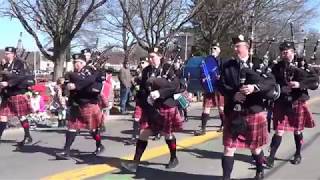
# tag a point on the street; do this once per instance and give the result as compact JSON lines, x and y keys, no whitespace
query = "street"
{"x":199,"y":156}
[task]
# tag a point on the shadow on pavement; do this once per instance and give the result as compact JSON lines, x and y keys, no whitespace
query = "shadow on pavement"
{"x":8,"y":141}
{"x":116,"y":138}
{"x":216,"y":155}
{"x":198,"y":117}
{"x":158,"y":174}
{"x":78,"y":156}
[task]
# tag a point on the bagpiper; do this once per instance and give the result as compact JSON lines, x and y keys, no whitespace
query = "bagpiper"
{"x":245,"y":124}
{"x":160,"y":114}
{"x":14,"y":84}
{"x":84,"y":85}
{"x":144,"y":62}
{"x":290,"y":111}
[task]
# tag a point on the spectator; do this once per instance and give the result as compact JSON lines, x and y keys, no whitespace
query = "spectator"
{"x":125,"y":79}
{"x":59,"y":102}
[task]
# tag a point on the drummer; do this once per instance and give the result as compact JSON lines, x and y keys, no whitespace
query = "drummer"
{"x":213,"y":99}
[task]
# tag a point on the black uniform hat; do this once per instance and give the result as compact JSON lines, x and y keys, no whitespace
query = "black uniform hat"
{"x":238,"y":39}
{"x":215,"y":44}
{"x":10,"y":49}
{"x":86,"y":50}
{"x":78,"y":56}
{"x":286,"y":45}
{"x":144,"y":59}
{"x":157,"y":50}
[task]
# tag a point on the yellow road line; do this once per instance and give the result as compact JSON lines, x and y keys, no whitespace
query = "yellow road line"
{"x":313,"y":100}
{"x":95,"y":170}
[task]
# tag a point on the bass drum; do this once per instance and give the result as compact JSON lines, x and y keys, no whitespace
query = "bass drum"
{"x":201,"y":74}
{"x":210,"y":74}
{"x":192,"y":72}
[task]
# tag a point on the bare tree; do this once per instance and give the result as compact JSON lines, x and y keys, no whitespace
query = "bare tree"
{"x":116,"y":26}
{"x":58,"y":19}
{"x":156,"y":21}
{"x":220,"y":19}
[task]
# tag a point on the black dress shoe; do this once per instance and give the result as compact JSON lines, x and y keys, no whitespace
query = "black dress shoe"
{"x":131,"y":141}
{"x":130,"y":166}
{"x":99,"y":150}
{"x":199,"y":132}
{"x":259,"y":176}
{"x":297,"y":159}
{"x":172,"y":163}
{"x":64,"y":155}
{"x":220,"y":129}
{"x":157,"y":137}
{"x":270,"y":162}
{"x":186,"y":119}
{"x":26,"y":140}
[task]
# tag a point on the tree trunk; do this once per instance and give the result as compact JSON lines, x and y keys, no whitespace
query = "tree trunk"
{"x":59,"y":65}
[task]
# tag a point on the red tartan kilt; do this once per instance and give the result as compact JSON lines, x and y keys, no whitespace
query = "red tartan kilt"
{"x":256,"y":136}
{"x":18,"y":105}
{"x":171,"y":121}
{"x":212,"y":100}
{"x":297,"y":121}
{"x":137,"y":112}
{"x":88,"y":117}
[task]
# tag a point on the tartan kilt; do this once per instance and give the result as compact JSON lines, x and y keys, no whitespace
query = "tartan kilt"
{"x":297,"y":121}
{"x":211,"y":100}
{"x":137,"y":112}
{"x":171,"y":121}
{"x":255,"y":137}
{"x":18,"y":105}
{"x":88,"y":116}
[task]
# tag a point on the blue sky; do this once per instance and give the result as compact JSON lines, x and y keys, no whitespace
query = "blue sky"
{"x":9,"y":34}
{"x":10,"y":30}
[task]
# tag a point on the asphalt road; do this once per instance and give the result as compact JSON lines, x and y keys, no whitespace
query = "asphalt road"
{"x":198,"y":160}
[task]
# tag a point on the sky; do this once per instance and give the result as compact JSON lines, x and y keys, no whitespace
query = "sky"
{"x":10,"y":32}
{"x":11,"y":28}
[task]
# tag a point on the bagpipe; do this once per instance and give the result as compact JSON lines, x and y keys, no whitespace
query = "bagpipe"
{"x":164,"y":75}
{"x":301,"y":66}
{"x":94,"y":69}
{"x":239,"y":125}
{"x":25,"y":77}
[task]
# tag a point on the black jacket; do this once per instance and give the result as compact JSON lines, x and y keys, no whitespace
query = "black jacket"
{"x":307,"y":78}
{"x":88,"y":86}
{"x":18,"y":77}
{"x":229,"y":84}
{"x":162,"y":79}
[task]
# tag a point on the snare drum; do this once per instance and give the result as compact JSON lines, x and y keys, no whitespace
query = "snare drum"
{"x":182,"y":100}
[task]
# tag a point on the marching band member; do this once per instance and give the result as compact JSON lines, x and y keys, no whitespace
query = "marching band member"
{"x":214,"y":99}
{"x":87,"y":54}
{"x":14,"y":85}
{"x":290,"y":112}
{"x":144,"y":62}
{"x":83,"y":100}
{"x":245,"y":124}
{"x":177,"y":65}
{"x":159,"y":110}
